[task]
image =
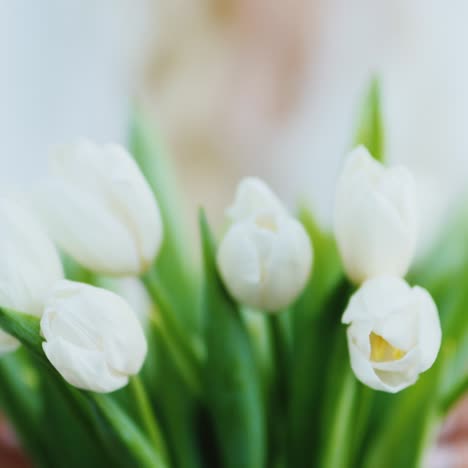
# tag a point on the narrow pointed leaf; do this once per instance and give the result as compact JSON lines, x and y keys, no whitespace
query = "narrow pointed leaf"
{"x":232,"y":381}
{"x":174,"y":266}
{"x":370,"y":131}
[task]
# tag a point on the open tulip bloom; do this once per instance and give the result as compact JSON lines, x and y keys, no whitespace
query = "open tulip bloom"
{"x":134,"y":356}
{"x":394,"y":333}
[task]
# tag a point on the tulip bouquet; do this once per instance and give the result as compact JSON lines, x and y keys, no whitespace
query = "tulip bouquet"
{"x":284,"y":346}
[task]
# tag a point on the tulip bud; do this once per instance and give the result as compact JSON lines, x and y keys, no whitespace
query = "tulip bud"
{"x":266,"y":256}
{"x":29,"y":265}
{"x":394,"y":333}
{"x":375,"y":217}
{"x":132,"y":290}
{"x":253,"y":196}
{"x":100,"y":209}
{"x":92,"y":337}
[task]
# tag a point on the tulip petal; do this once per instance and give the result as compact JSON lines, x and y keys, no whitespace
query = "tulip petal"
{"x":383,"y":380}
{"x":430,"y":332}
{"x":367,"y":303}
{"x":253,"y":197}
{"x":83,"y":226}
{"x":239,"y":264}
{"x":83,"y":368}
{"x":289,"y":264}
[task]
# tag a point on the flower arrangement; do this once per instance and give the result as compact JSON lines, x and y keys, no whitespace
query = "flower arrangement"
{"x":289,"y":347}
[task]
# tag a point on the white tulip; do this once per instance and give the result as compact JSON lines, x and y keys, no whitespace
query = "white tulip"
{"x":375,"y":217}
{"x":100,"y":209}
{"x":253,"y":196}
{"x":266,"y":256}
{"x":132,"y":290}
{"x":394,"y":333}
{"x":92,"y":337}
{"x":29,"y":265}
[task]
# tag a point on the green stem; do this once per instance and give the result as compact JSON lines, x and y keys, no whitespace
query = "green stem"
{"x":147,"y":415}
{"x":280,"y":354}
{"x":128,"y":433}
{"x":455,"y":394}
{"x":278,"y":395}
{"x":371,"y":127}
{"x":364,"y":402}
{"x":336,"y":450}
{"x":186,"y":371}
{"x":177,"y":341}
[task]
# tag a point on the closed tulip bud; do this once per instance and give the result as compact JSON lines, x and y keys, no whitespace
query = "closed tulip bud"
{"x":132,"y":290}
{"x":92,"y":337}
{"x":100,"y":209}
{"x":266,"y":256}
{"x":253,"y":196}
{"x":29,"y":265}
{"x":394,"y":333}
{"x":375,"y":217}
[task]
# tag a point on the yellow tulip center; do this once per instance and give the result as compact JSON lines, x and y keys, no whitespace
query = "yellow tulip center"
{"x":266,"y":222}
{"x":382,"y":350}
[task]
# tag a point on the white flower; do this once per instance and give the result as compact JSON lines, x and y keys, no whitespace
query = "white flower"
{"x":29,"y":265}
{"x":92,"y":337}
{"x":375,"y":217}
{"x":132,"y":290}
{"x":253,"y":196}
{"x":394,"y":333}
{"x":266,"y":256}
{"x":100,"y":209}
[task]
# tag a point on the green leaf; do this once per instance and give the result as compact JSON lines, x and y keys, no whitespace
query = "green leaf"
{"x":448,"y":257}
{"x":128,"y":434}
{"x":174,"y":265}
{"x":326,"y":274}
{"x":278,"y":391}
{"x":178,"y":410}
{"x":370,"y":131}
{"x":74,"y":447}
{"x":184,"y":352}
{"x":20,"y":402}
{"x":25,"y":328}
{"x":172,"y":282}
{"x":316,"y":319}
{"x":456,"y":393}
{"x":260,"y":338}
{"x":339,"y":424}
{"x":455,"y":378}
{"x":232,"y":383}
{"x":147,"y":417}
{"x":76,"y":272}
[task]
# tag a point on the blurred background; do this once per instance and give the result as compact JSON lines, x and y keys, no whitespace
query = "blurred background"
{"x":244,"y":87}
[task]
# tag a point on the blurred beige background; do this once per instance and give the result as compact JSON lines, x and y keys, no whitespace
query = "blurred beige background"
{"x":240,"y":87}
